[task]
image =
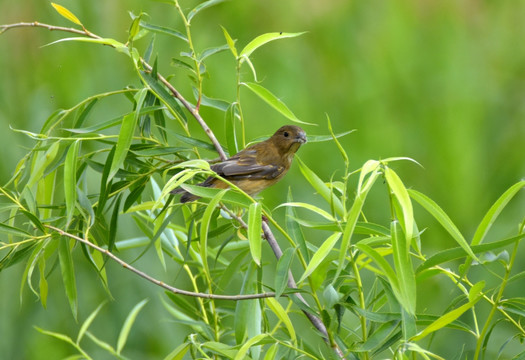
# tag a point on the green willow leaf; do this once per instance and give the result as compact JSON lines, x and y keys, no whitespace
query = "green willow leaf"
{"x":230,"y":129}
{"x":212,"y":51}
{"x":449,"y":317}
{"x":355,"y":211}
{"x":445,"y":221}
{"x":273,"y":101}
{"x":320,"y":255}
{"x":404,"y":269}
{"x":310,"y":207}
{"x":124,"y":332}
{"x":230,"y":41}
{"x":205,"y":226}
{"x":401,"y":194}
{"x":282,"y":315}
{"x":494,"y":212}
{"x":321,"y":188}
{"x":87,"y":323}
{"x":201,"y":7}
{"x":322,"y":138}
{"x":129,"y":123}
{"x":43,"y":160}
{"x":282,"y":271}
{"x":163,"y":30}
{"x":459,"y":252}
{"x":241,"y":354}
{"x":11,"y":230}
{"x":68,"y":273}
{"x":254,"y":231}
{"x":165,"y":97}
{"x":263,"y":39}
{"x":293,"y":228}
{"x":70,"y":179}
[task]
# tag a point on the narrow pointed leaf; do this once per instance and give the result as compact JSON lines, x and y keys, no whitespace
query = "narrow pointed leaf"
{"x":263,"y":39}
{"x":247,"y":345}
{"x":459,"y":252}
{"x":68,"y":273}
{"x":273,"y":101}
{"x":384,"y":265}
{"x":163,"y":30}
{"x":322,"y":138}
{"x":70,"y":180}
{"x":230,"y":129}
{"x":447,"y":318}
{"x":443,"y":219}
{"x":87,"y":323}
{"x":293,"y":228}
{"x":279,"y":311}
{"x":401,"y":194}
{"x":494,"y":212}
{"x":254,"y":231}
{"x":43,"y":160}
{"x":205,"y":226}
{"x":34,"y":220}
{"x":66,"y":13}
{"x":404,"y":269}
{"x":321,"y":188}
{"x":282,"y":271}
{"x":201,"y":7}
{"x":124,"y":332}
{"x":129,"y":123}
{"x":310,"y":207}
{"x":353,"y":216}
{"x":320,"y":255}
{"x":230,"y":42}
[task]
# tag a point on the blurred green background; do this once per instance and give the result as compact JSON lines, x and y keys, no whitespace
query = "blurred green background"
{"x":442,"y":82}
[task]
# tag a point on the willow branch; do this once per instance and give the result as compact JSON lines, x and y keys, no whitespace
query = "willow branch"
{"x":192,"y":110}
{"x":4,"y":28}
{"x":270,"y":238}
{"x":274,"y":245}
{"x":142,"y":274}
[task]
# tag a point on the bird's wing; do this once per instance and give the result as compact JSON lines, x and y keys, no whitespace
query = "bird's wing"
{"x":245,"y":166}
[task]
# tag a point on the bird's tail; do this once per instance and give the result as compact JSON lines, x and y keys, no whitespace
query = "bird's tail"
{"x":186,"y":196}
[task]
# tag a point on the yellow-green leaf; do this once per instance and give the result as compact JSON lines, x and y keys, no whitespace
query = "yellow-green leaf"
{"x":273,"y":101}
{"x":263,"y":39}
{"x":320,"y":254}
{"x":230,"y":41}
{"x":66,"y":13}
{"x":279,"y":311}
{"x":254,"y":231}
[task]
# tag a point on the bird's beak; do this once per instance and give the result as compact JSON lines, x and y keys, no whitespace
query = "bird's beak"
{"x":301,"y":137}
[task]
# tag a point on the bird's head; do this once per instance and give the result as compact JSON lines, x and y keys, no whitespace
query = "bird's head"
{"x":288,"y":139}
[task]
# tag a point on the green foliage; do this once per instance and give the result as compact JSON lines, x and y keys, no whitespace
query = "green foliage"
{"x":359,"y":287}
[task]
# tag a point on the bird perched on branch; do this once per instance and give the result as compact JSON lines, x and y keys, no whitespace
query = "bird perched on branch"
{"x":256,"y":167}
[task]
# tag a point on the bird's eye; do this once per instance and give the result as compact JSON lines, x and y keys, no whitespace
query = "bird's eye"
{"x":286,"y":134}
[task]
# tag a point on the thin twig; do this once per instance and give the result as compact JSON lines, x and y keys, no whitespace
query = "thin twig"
{"x":49,"y":27}
{"x":155,"y":281}
{"x":193,"y":111}
{"x":270,"y":238}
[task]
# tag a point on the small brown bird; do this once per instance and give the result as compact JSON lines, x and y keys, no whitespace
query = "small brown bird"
{"x":256,"y":167}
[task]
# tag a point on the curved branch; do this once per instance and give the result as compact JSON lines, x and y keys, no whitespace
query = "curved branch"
{"x":170,"y":288}
{"x":270,"y":238}
{"x":193,"y":111}
{"x":4,"y":28}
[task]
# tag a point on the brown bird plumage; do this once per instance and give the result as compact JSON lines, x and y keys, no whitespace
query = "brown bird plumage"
{"x":258,"y":166}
